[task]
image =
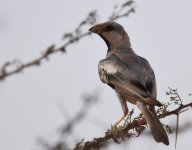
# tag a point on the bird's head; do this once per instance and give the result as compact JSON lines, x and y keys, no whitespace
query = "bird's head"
{"x":113,"y":34}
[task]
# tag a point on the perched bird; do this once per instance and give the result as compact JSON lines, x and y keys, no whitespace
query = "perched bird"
{"x":130,"y":75}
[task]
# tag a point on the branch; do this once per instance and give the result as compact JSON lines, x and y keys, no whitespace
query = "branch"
{"x":124,"y":132}
{"x":177,"y":111}
{"x":138,"y":124}
{"x":130,"y":128}
{"x":70,"y":38}
{"x":65,"y":131}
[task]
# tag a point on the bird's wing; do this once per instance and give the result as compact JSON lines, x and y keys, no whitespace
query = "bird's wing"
{"x":123,"y":78}
{"x":149,"y":80}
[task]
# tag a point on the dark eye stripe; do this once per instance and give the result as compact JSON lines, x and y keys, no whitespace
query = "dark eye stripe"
{"x":109,"y":28}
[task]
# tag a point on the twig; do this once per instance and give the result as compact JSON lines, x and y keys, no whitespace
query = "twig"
{"x":177,"y":129}
{"x":88,"y":101}
{"x":176,"y":111}
{"x":70,"y":39}
{"x":96,"y":143}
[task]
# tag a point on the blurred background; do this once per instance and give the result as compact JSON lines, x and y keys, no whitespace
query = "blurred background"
{"x":39,"y":101}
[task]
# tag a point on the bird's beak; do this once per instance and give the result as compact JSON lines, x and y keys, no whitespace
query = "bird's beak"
{"x":95,"y":29}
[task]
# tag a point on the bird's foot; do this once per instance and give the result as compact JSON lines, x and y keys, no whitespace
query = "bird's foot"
{"x":116,"y":124}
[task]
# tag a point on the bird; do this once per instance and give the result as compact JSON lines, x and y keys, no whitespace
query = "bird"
{"x":130,"y":75}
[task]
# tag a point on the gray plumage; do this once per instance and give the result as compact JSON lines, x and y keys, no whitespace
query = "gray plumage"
{"x":130,"y":75}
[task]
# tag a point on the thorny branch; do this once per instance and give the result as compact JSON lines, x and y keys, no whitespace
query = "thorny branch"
{"x":138,"y":124}
{"x":132,"y":127}
{"x":69,"y":38}
{"x":88,"y":101}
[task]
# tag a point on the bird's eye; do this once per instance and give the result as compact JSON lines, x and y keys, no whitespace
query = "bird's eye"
{"x":109,"y":28}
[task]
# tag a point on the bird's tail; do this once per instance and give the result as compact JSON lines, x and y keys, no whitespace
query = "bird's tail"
{"x":155,"y":125}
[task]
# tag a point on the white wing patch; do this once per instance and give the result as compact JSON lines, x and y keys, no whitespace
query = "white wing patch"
{"x":108,"y":67}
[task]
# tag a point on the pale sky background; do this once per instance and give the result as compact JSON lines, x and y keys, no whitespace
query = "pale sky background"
{"x":160,"y":31}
